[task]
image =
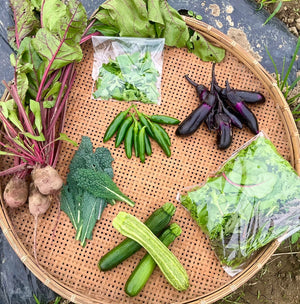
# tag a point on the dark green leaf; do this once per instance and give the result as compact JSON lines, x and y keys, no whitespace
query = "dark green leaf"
{"x":90,"y":215}
{"x":100,"y":185}
{"x":68,"y":205}
{"x":84,"y":208}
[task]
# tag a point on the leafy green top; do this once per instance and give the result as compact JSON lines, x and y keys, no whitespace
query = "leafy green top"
{"x":46,"y":37}
{"x":48,"y":44}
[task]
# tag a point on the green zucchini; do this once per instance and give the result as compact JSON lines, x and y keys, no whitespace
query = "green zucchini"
{"x":156,"y":222}
{"x":145,"y":268}
{"x":133,"y":228}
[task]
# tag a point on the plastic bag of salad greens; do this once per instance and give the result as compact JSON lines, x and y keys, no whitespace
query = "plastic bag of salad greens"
{"x":253,"y":199}
{"x":127,"y":69}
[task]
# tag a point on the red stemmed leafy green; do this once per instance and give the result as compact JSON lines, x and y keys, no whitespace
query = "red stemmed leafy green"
{"x":26,"y":22}
{"x":47,"y":38}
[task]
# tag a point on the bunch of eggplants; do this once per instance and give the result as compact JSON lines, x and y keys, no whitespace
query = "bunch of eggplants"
{"x":221,"y":109}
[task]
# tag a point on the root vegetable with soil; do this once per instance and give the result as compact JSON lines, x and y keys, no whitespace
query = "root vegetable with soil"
{"x":33,"y":115}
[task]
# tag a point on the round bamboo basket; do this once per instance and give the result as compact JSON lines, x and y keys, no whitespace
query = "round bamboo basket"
{"x":70,"y":270}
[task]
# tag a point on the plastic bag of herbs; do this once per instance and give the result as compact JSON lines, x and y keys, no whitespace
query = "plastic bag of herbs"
{"x":253,"y":199}
{"x":127,"y":69}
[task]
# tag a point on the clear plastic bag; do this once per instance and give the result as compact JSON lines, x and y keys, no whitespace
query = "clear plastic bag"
{"x":253,"y":199}
{"x":127,"y":69}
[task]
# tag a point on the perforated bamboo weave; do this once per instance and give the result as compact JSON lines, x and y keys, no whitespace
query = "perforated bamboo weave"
{"x":71,"y":270}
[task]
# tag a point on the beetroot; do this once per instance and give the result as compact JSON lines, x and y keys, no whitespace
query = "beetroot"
{"x":38,"y":205}
{"x":47,"y":180}
{"x":16,"y":192}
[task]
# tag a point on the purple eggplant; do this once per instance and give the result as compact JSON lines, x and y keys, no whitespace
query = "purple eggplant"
{"x":224,"y":136}
{"x":192,"y":122}
{"x":251,"y":96}
{"x":233,"y":117}
{"x":247,"y":96}
{"x":202,"y":90}
{"x":236,"y":102}
{"x":210,"y":119}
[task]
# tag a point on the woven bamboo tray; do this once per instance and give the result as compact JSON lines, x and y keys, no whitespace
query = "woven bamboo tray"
{"x":71,"y":270}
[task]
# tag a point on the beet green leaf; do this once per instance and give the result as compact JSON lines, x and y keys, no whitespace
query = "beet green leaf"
{"x":26,"y":22}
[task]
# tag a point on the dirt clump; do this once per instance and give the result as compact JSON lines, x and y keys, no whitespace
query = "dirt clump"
{"x":289,"y":14}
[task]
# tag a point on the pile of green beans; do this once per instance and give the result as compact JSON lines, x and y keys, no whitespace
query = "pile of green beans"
{"x":136,"y":129}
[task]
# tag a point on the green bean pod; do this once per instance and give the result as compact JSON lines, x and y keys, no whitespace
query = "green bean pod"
{"x":128,"y":141}
{"x":141,"y":144}
{"x":122,"y":130}
{"x":163,"y":119}
{"x":135,"y":137}
{"x":148,"y":147}
{"x":145,"y":122}
{"x":160,"y":139}
{"x":164,"y":133}
{"x":113,"y":127}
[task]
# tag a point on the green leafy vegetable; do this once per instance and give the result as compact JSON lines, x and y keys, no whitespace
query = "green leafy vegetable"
{"x":153,"y":19}
{"x":26,"y":22}
{"x":89,"y":188}
{"x":252,"y":200}
{"x":205,"y":50}
{"x":128,"y":77}
{"x":100,"y":185}
{"x":47,"y":41}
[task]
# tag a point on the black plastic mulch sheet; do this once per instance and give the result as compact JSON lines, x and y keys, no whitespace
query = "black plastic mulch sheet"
{"x":17,"y":284}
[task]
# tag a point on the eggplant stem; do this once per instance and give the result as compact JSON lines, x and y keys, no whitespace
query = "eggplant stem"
{"x":192,"y":82}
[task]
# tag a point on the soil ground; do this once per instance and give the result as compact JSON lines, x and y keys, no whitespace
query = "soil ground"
{"x":289,"y":14}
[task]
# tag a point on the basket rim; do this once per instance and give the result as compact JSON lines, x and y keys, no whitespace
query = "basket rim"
{"x":222,"y":40}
